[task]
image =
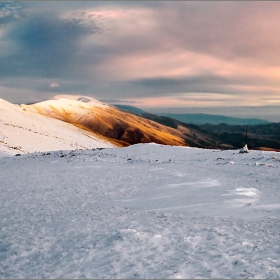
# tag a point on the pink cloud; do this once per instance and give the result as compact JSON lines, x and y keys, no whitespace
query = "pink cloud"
{"x":192,"y":39}
{"x":235,"y":41}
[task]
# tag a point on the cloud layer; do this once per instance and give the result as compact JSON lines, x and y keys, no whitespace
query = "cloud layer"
{"x":165,"y":54}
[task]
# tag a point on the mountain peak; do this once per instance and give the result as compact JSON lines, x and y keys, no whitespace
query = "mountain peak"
{"x":81,"y":98}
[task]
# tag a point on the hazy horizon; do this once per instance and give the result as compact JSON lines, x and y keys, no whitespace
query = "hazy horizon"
{"x":264,"y":113}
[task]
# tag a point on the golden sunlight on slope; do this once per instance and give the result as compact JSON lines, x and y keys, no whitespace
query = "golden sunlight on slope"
{"x":26,"y":131}
{"x":109,"y":122}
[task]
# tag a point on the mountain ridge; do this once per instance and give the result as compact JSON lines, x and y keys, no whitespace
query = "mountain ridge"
{"x":108,"y":121}
{"x":24,"y":130}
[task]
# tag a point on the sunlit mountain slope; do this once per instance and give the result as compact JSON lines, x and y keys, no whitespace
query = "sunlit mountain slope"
{"x":90,"y":114}
{"x":23,"y":130}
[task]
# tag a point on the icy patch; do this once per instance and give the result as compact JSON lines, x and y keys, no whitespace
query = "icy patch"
{"x":251,"y":192}
{"x":247,"y":192}
{"x":129,"y":230}
{"x":178,"y":175}
{"x":201,"y":184}
{"x":155,"y":169}
{"x":178,"y":276}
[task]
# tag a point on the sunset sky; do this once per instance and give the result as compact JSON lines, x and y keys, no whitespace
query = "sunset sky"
{"x":206,"y":57}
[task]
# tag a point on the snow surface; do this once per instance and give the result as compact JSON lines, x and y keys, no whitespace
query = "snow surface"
{"x":80,"y":98}
{"x":23,"y":130}
{"x":145,"y":211}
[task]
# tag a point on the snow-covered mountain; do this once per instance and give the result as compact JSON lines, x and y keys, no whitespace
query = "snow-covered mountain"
{"x":106,"y":120}
{"x":24,"y":130}
{"x":144,"y":211}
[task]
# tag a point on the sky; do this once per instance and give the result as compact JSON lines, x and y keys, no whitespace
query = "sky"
{"x":163,"y":56}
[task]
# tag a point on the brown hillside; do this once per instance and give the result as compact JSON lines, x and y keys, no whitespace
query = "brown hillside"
{"x":109,"y":122}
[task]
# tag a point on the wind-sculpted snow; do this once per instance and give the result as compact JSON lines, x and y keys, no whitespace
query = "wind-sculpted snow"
{"x":145,"y":211}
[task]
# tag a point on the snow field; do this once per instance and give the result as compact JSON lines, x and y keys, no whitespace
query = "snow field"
{"x":145,"y":211}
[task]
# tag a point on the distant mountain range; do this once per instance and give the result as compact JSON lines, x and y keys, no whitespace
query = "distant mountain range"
{"x":201,"y":119}
{"x":198,"y":119}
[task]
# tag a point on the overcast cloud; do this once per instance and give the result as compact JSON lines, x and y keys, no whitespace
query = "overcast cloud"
{"x":147,"y":54}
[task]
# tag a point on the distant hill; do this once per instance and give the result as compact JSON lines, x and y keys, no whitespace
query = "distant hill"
{"x":260,"y":137}
{"x":193,"y":135}
{"x":198,"y":119}
{"x":201,"y":119}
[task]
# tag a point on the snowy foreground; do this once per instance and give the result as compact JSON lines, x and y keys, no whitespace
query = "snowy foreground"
{"x":145,"y":211}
